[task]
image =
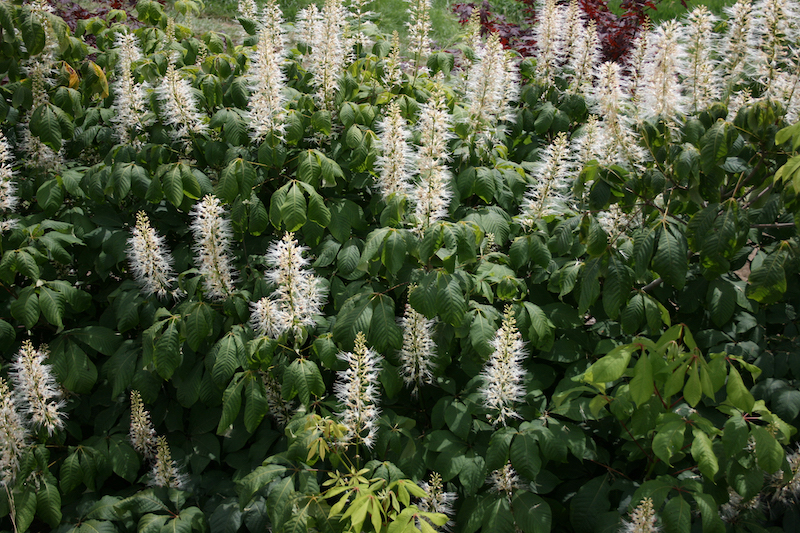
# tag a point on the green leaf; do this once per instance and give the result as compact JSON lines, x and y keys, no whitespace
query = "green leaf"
{"x":641,"y":386}
{"x":198,"y":322}
{"x":293,"y":210}
{"x":498,"y":517}
{"x":167,"y":356}
{"x":394,"y":251}
{"x":589,"y":502}
{"x":677,"y":516}
{"x":450,"y":302}
{"x":50,"y":196}
{"x":257,"y":480}
{"x":769,"y":452}
{"x":616,"y":286}
{"x":26,"y":307}
{"x":524,"y":454}
{"x":531,"y":513}
{"x":48,"y":504}
{"x":317,"y":210}
{"x":670,"y":259}
{"x":33,"y":35}
{"x":51,"y":304}
{"x":229,"y":354}
{"x":231,"y":404}
{"x":25,"y":503}
{"x":547,"y":113}
{"x":124,"y":460}
{"x":767,"y":283}
{"x":172,"y":184}
{"x":70,"y":474}
{"x":721,"y":301}
{"x":714,"y":146}
{"x":542,"y":330}
{"x":738,"y":395}
{"x":610,"y":367}
{"x":712,"y":523}
{"x":669,"y":440}
{"x":303,"y":379}
{"x":692,"y":391}
{"x":255,"y":406}
{"x":703,"y":453}
{"x":384,"y":334}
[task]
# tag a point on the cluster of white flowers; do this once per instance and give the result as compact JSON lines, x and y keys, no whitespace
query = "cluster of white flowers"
{"x":165,"y":472}
{"x":503,"y":374}
{"x":396,"y":161}
{"x":549,"y":45}
{"x":663,"y":94}
{"x":393,"y":73}
{"x":432,"y":193}
{"x":298,"y":296}
{"x":13,"y":434}
{"x":151,"y":261}
{"x":358,"y":392}
{"x":266,"y":108}
{"x":643,"y":519}
{"x":142,"y":433}
{"x":325,"y":32}
{"x":8,"y":190}
{"x":179,"y":105}
{"x":248,"y":9}
{"x":698,"y":72}
{"x":419,"y":28}
{"x":492,"y":84}
{"x":35,"y":389}
{"x":505,"y":480}
{"x":212,"y":235}
{"x":437,"y":500}
{"x":418,"y":354}
{"x":549,"y":193}
{"x":129,"y":96}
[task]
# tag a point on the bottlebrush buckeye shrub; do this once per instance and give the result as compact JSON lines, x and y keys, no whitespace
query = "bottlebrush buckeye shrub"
{"x":307,"y":283}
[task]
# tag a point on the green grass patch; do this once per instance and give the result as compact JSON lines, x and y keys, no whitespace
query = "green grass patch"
{"x":670,"y":9}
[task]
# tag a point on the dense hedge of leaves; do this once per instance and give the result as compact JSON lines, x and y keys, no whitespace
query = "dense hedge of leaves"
{"x":652,"y":308}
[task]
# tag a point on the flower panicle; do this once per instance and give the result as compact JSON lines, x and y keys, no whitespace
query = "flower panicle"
{"x":662,"y":88}
{"x":699,"y":70}
{"x":437,"y":499}
{"x":130,"y":100}
{"x":165,"y":472}
{"x":357,"y":390}
{"x":213,"y":235}
{"x":419,"y":28}
{"x":549,"y":47}
{"x":505,"y":480}
{"x":8,"y":190}
{"x":492,"y":84}
{"x":36,"y":390}
{"x":142,"y":433}
{"x":418,"y":353}
{"x":179,"y":105}
{"x":643,"y":519}
{"x":299,"y":294}
{"x":549,"y":194}
{"x":151,"y":261}
{"x":503,"y":374}
{"x":325,"y":32}
{"x":266,"y":108}
{"x":13,"y":436}
{"x":396,"y":161}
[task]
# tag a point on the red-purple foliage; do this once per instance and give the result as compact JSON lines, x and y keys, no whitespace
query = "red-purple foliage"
{"x":616,"y":33}
{"x":72,"y":12}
